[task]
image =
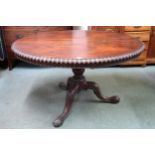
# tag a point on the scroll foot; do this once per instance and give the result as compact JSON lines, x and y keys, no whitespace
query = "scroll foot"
{"x":97,"y":92}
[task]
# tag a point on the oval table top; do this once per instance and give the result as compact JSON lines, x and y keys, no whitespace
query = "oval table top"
{"x":77,"y":48}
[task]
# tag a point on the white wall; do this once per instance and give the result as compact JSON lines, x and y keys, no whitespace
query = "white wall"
{"x":80,"y":27}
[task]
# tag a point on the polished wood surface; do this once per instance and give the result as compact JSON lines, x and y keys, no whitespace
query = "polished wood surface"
{"x":77,"y":46}
{"x":12,"y":33}
{"x":142,"y":33}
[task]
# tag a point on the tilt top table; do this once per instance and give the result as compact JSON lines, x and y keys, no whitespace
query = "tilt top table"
{"x":77,"y":49}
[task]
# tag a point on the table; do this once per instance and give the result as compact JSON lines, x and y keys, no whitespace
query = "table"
{"x":77,"y":49}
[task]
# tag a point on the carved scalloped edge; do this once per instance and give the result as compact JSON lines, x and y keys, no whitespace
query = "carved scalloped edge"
{"x":76,"y":61}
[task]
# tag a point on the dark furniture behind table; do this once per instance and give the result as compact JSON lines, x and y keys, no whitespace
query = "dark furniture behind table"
{"x":151,"y":49}
{"x":144,"y":33}
{"x":3,"y":59}
{"x":12,"y":33}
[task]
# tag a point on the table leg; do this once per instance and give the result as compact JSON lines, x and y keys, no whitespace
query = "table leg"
{"x":97,"y":92}
{"x":74,"y":85}
{"x":69,"y":101}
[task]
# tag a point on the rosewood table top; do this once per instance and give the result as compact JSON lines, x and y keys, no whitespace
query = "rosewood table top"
{"x":77,"y":48}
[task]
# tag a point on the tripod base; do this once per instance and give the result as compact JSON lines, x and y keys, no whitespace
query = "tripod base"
{"x":74,"y":85}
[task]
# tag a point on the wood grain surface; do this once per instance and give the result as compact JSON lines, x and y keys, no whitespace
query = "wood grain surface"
{"x":77,"y":47}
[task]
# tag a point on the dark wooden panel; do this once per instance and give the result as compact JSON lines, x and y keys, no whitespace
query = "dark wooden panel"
{"x":142,"y":33}
{"x":106,"y":28}
{"x":151,"y":51}
{"x":2,"y":52}
{"x":3,"y":59}
{"x":143,"y":36}
{"x":35,"y":28}
{"x":137,"y":28}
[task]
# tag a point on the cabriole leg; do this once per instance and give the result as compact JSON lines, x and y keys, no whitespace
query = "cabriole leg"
{"x":97,"y":92}
{"x":68,"y":105}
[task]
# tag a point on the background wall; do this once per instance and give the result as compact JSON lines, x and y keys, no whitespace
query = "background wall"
{"x":80,"y":28}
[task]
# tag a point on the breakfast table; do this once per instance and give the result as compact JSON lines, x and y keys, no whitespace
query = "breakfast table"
{"x":78,"y":50}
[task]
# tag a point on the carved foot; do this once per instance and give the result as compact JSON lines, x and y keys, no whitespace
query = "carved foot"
{"x":69,"y":101}
{"x":97,"y":92}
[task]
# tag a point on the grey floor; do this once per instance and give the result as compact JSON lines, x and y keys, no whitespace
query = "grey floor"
{"x":30,"y":98}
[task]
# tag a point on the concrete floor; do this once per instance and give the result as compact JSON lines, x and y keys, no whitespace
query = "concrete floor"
{"x":30,"y":98}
